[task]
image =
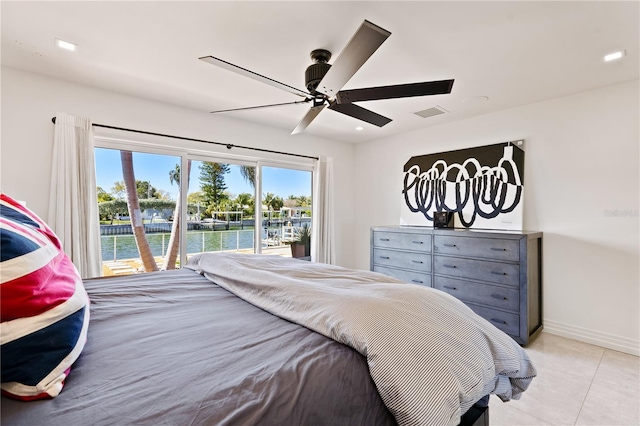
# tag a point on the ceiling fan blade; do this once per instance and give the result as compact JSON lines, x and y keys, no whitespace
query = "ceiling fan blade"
{"x":308,"y":118}
{"x":355,"y":111}
{"x":362,"y":45}
{"x":243,"y":71}
{"x":261,"y":106}
{"x":397,"y":91}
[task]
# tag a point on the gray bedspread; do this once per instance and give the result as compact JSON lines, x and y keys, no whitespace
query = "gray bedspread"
{"x":171,"y":348}
{"x":430,"y":356}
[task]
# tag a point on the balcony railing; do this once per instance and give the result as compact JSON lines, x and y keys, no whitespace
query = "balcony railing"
{"x":123,"y":246}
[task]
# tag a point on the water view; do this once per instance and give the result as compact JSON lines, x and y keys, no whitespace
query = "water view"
{"x":123,"y":245}
{"x":118,"y":247}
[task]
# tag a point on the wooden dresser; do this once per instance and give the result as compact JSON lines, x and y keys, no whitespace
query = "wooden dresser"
{"x":498,"y":274}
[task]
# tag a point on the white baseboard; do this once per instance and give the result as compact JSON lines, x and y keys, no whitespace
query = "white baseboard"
{"x":609,"y":341}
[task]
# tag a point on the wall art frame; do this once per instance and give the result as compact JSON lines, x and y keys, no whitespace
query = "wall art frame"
{"x":483,"y":186}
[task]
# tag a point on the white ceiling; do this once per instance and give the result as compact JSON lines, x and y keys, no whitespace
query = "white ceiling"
{"x":514,"y":53}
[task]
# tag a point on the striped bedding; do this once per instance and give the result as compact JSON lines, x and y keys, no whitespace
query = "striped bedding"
{"x":429,"y":355}
{"x":171,"y":348}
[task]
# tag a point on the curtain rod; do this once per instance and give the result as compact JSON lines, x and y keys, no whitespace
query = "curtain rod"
{"x":228,"y":145}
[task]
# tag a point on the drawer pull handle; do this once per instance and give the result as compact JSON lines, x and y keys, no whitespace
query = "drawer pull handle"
{"x":499,"y":321}
{"x":385,"y":257}
{"x":417,"y":261}
{"x":449,"y":245}
{"x":498,"y":296}
{"x":449,"y":266}
{"x":417,"y":242}
{"x":498,"y":273}
{"x":384,"y":239}
{"x":449,"y":287}
{"x":498,"y":249}
{"x":417,"y":281}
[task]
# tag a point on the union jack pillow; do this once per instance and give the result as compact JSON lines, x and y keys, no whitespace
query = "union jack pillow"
{"x":44,"y":307}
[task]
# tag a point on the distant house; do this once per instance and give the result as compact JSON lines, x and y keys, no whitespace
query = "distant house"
{"x":294,"y":212}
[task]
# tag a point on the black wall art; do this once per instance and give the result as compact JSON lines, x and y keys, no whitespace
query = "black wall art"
{"x":483,"y":186}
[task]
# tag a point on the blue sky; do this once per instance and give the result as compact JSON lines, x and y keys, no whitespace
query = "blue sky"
{"x":155,"y":168}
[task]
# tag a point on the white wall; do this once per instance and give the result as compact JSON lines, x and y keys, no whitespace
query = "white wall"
{"x":581,"y":162}
{"x":29,"y":101}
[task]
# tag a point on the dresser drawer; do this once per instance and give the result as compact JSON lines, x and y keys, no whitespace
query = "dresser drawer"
{"x":486,"y":248}
{"x":509,"y":323}
{"x":486,"y":294}
{"x":410,"y":277}
{"x":483,"y":270}
{"x":398,"y":240}
{"x":494,"y":273}
{"x":402,"y":259}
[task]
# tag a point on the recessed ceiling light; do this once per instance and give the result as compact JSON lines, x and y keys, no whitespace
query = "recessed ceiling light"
{"x":359,"y":128}
{"x":66,"y":45}
{"x":615,"y":55}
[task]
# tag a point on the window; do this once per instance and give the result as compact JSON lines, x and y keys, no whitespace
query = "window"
{"x":141,"y":206}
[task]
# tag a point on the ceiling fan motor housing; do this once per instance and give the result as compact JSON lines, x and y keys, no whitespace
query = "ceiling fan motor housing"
{"x":315,"y":72}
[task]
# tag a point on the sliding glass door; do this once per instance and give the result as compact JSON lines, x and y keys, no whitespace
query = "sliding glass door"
{"x":229,"y":206}
{"x":221,"y":207}
{"x":286,"y":211}
{"x":138,"y":202}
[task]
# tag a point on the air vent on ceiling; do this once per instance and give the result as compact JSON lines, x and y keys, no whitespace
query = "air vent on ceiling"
{"x":430,"y":112}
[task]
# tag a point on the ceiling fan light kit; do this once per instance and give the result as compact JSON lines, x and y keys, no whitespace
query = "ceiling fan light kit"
{"x":324,"y":81}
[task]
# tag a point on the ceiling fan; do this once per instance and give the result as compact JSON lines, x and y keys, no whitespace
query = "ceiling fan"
{"x":325,"y":81}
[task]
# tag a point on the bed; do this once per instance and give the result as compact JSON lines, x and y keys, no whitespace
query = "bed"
{"x":235,"y":339}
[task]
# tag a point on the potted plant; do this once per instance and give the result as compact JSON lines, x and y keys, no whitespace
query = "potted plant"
{"x":301,"y":247}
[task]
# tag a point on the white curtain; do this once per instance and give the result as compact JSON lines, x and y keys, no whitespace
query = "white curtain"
{"x":322,"y":246}
{"x":73,"y":204}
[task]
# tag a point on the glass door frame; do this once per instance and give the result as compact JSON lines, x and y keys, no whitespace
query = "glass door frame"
{"x":186,"y":154}
{"x":311,"y":167}
{"x":217,"y":158}
{"x":107,"y":142}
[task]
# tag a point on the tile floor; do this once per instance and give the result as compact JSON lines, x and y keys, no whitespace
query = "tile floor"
{"x":577,"y":384}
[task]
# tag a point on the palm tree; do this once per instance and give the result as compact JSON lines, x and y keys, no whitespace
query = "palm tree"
{"x":276,"y":203}
{"x":245,"y":200}
{"x":267,"y":199}
{"x":174,"y":175}
{"x":133,"y":205}
{"x":118,"y":189}
{"x":304,"y":201}
{"x":249,"y":174}
{"x":174,"y":239}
